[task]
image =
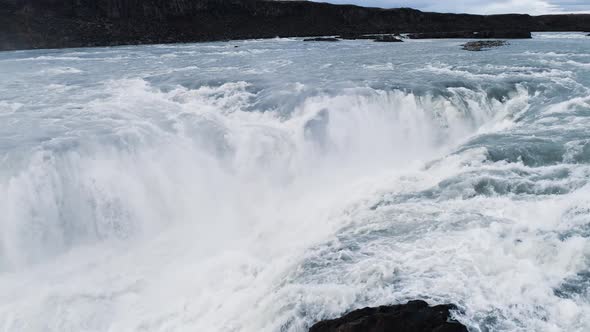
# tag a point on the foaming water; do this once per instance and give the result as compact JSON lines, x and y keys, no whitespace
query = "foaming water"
{"x":268,"y":186}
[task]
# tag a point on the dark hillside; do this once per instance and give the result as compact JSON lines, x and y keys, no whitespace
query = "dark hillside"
{"x":26,"y":24}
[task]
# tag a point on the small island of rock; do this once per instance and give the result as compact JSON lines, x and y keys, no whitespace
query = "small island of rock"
{"x":482,"y":45}
{"x":415,"y":316}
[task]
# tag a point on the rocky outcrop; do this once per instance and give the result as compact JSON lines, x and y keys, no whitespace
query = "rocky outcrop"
{"x":322,"y":39}
{"x":483,"y":45}
{"x":355,"y":36}
{"x":377,"y":38}
{"x":26,"y":24}
{"x":506,"y":34}
{"x":416,"y":316}
{"x":388,"y":39}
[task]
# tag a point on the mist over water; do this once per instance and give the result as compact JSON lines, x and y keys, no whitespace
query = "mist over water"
{"x":265,"y":187}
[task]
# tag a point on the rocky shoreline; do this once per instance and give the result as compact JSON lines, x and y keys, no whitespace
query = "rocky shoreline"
{"x":322,"y":39}
{"x":415,"y":316}
{"x":33,"y":24}
{"x":504,"y":34}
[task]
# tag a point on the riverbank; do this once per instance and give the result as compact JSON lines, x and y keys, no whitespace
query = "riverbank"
{"x":34,"y":24}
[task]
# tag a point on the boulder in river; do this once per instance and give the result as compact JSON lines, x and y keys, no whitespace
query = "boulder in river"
{"x":388,"y":39}
{"x":482,"y":45}
{"x":415,"y":316}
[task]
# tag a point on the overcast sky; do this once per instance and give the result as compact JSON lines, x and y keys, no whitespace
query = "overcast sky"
{"x":481,"y":6}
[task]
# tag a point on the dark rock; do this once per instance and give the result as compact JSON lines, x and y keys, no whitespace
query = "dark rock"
{"x":27,"y":24}
{"x":483,"y":45}
{"x":353,"y":36}
{"x":377,"y":38}
{"x":388,"y":39}
{"x":322,"y":39}
{"x":416,"y":316}
{"x":507,"y":34}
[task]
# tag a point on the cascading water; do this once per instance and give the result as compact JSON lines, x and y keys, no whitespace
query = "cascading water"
{"x":266,"y":187}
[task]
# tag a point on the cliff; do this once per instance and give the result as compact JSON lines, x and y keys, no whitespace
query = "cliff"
{"x":27,"y":24}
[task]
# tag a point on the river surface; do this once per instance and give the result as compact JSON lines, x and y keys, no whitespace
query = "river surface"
{"x":263,"y":185}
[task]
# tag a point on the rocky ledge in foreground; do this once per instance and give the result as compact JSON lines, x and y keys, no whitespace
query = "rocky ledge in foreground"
{"x":415,"y":316}
{"x":482,"y":45}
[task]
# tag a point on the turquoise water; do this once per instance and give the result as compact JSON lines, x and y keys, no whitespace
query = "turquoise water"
{"x":267,"y":186}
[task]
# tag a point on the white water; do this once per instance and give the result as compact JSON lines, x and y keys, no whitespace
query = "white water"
{"x":184,"y":195}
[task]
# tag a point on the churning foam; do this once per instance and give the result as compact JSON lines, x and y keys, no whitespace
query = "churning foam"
{"x":195,"y":197}
{"x":137,"y":206}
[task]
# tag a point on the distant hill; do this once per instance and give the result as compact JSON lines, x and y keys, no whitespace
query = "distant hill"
{"x":27,"y":24}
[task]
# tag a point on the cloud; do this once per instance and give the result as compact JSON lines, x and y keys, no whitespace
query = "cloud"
{"x":534,"y":7}
{"x":499,"y":6}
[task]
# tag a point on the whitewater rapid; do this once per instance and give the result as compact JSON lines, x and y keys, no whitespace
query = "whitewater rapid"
{"x":265,"y":187}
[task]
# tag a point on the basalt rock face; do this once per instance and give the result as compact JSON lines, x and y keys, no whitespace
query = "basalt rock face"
{"x":416,"y":316}
{"x":26,"y":24}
